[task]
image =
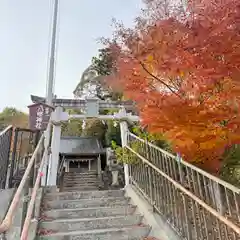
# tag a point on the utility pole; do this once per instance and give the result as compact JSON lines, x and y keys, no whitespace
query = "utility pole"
{"x":51,"y":70}
{"x":50,"y":89}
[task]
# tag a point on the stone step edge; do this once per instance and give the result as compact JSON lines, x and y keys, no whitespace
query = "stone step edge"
{"x":71,"y":220}
{"x":80,"y":174}
{"x":81,"y":188}
{"x":83,"y":174}
{"x":81,"y":183}
{"x":84,"y":199}
{"x":72,"y":193}
{"x":80,"y":180}
{"x":90,"y":208}
{"x":97,"y":231}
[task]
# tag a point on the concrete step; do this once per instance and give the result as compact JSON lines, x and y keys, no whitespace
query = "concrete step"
{"x":85,"y":203}
{"x":90,"y":179}
{"x":83,"y":195}
{"x":85,"y":171}
{"x":88,"y":212}
{"x":80,"y":174}
{"x":80,"y":183}
{"x":79,"y":179}
{"x":85,"y":183}
{"x":128,"y":233}
{"x":91,"y":223}
{"x":72,"y":178}
{"x":85,"y":179}
{"x":80,"y":188}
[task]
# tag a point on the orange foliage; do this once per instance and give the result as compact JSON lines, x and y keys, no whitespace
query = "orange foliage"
{"x":184,"y":73}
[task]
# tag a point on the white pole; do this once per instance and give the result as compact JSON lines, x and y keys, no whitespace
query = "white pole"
{"x":50,"y":80}
{"x":51,"y":70}
{"x":55,"y":148}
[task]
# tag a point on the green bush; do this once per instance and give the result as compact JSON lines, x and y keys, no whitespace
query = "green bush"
{"x":230,"y":170}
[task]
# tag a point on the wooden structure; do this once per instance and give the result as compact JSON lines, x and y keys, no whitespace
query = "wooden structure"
{"x":80,"y":153}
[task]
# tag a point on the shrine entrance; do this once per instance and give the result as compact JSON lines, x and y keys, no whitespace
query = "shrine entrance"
{"x":75,"y":146}
{"x":81,"y":154}
{"x":79,"y":164}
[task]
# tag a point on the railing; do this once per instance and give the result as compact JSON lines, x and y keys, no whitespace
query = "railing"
{"x":5,"y":147}
{"x":196,"y":204}
{"x":60,"y":173}
{"x":24,"y":141}
{"x":31,"y":180}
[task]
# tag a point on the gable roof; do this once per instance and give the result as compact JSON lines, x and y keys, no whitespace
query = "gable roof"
{"x":80,"y":146}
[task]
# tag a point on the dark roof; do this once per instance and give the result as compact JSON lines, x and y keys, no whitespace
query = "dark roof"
{"x":80,"y":146}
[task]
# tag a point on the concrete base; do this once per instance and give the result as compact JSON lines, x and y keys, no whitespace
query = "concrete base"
{"x":15,"y":230}
{"x":34,"y":222}
{"x":6,"y":197}
{"x":5,"y":200}
{"x":115,"y":181}
{"x":160,"y":229}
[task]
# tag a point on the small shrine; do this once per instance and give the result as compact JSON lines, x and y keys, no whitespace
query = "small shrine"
{"x":80,"y":154}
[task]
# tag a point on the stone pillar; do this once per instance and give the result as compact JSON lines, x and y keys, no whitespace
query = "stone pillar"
{"x":124,"y":130}
{"x":115,"y":181}
{"x":55,"y":147}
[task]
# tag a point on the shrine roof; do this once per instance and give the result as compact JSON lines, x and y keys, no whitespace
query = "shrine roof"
{"x":80,"y":146}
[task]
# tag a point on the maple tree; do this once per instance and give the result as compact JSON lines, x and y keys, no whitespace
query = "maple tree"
{"x":181,"y":64}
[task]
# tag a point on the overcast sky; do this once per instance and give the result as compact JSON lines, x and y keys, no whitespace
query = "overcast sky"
{"x":24,"y":43}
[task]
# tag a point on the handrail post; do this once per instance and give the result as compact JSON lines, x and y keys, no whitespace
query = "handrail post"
{"x":9,"y":132}
{"x":13,"y":157}
{"x":47,"y":134}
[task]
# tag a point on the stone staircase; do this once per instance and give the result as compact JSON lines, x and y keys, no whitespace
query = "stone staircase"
{"x":90,"y":215}
{"x":75,"y":181}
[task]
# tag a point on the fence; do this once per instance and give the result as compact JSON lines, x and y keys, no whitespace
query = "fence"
{"x":16,"y":147}
{"x":30,"y":180}
{"x":196,"y":204}
{"x":5,"y":146}
{"x":24,"y":142}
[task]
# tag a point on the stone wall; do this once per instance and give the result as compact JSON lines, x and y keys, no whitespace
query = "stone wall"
{"x":5,"y":201}
{"x":14,"y":232}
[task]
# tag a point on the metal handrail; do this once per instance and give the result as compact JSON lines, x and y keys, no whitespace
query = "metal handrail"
{"x":230,"y":224}
{"x":30,"y":209}
{"x":218,"y":180}
{"x":61,"y":166}
{"x":5,"y":130}
{"x":60,"y":171}
{"x":7,"y":221}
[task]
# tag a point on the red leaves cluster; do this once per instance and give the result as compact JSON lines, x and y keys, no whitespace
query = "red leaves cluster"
{"x":182,"y":67}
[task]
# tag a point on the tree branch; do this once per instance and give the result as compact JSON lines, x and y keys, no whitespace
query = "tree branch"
{"x":156,"y":78}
